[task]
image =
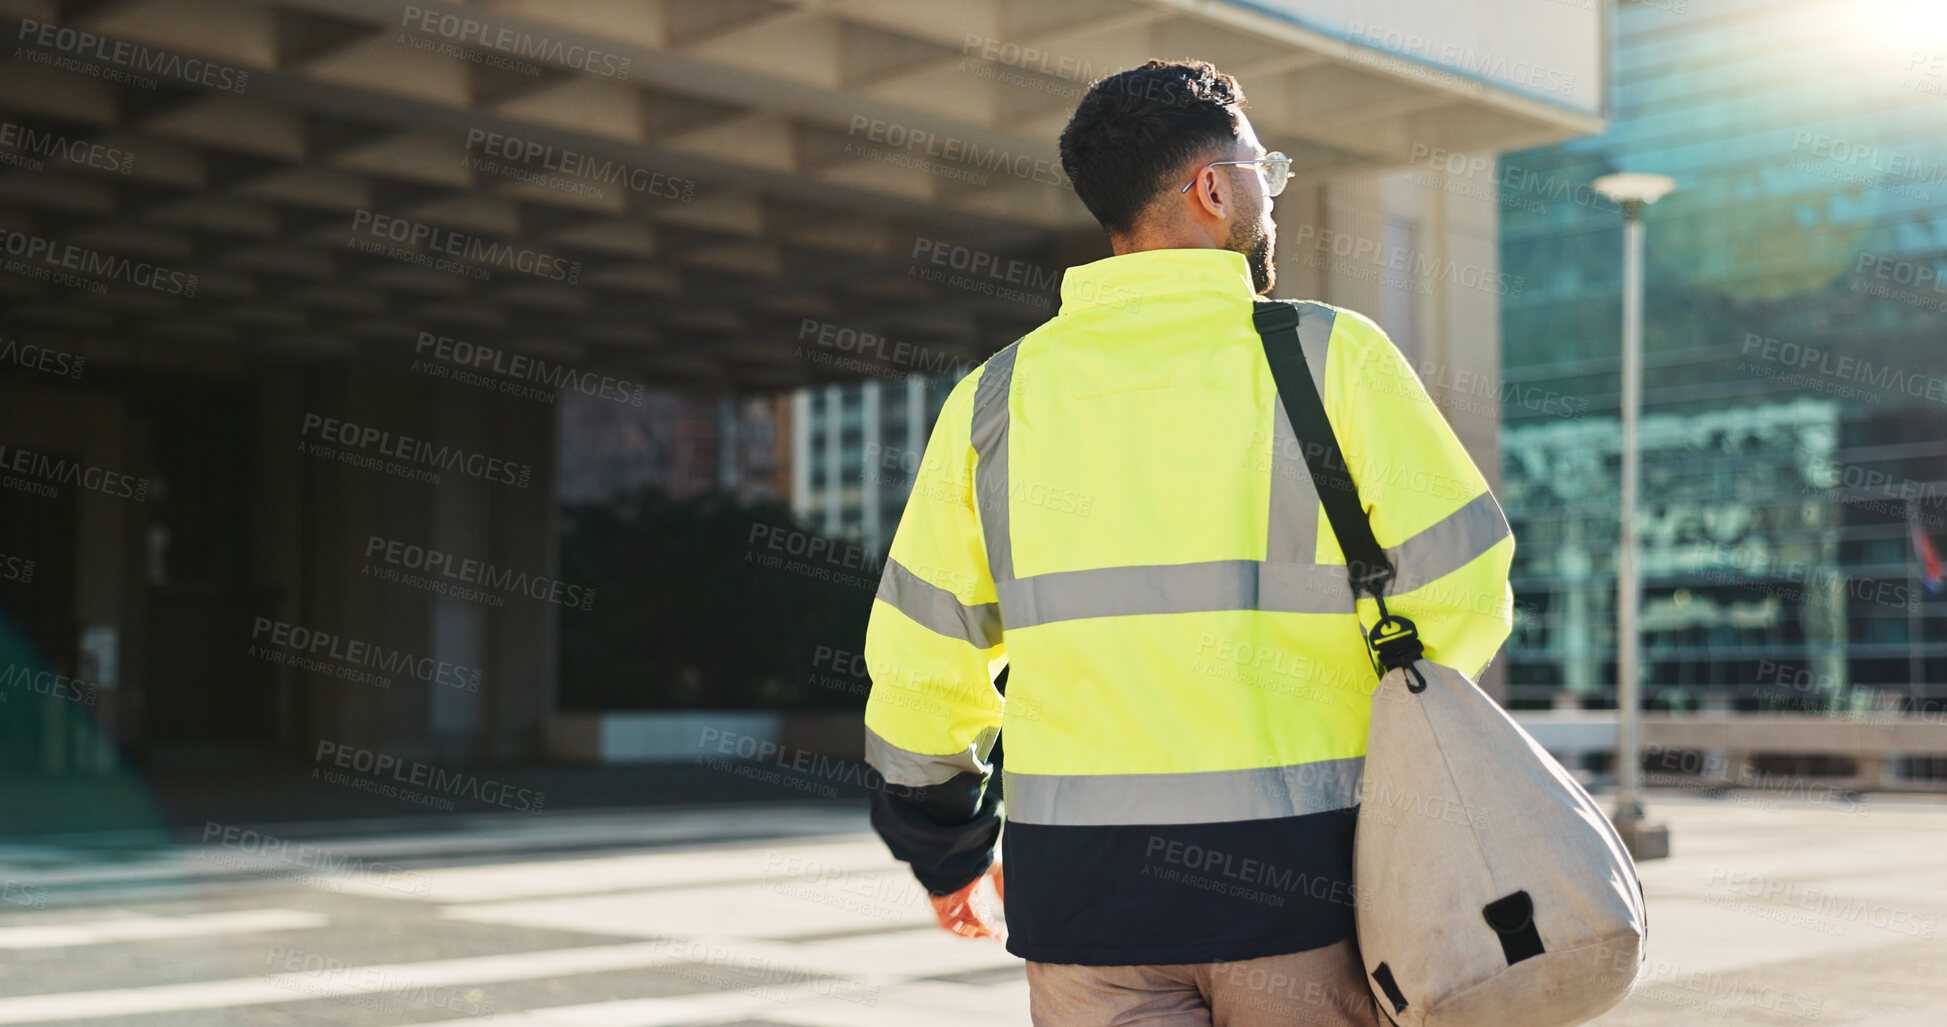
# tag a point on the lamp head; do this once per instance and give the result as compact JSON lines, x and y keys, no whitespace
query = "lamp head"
{"x":1631,"y":187}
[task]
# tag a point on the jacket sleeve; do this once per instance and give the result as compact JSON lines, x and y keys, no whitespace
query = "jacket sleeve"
{"x":1431,"y":510}
{"x":933,"y":647}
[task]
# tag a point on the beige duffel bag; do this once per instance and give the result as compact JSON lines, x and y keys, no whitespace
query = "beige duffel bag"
{"x":1492,"y":891}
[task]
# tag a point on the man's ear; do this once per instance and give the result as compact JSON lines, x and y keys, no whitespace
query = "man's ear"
{"x":1213,"y":194}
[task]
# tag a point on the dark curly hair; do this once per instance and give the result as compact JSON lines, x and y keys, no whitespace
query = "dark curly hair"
{"x":1135,"y":130}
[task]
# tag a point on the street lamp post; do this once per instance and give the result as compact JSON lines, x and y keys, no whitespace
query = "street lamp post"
{"x":1632,"y":192}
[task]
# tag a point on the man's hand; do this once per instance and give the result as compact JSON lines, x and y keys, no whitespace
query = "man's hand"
{"x":962,"y":914}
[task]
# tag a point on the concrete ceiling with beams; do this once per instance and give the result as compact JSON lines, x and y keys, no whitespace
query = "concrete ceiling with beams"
{"x":721,"y":170}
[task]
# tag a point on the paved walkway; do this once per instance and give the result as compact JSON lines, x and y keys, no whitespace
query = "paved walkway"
{"x":1770,"y":913}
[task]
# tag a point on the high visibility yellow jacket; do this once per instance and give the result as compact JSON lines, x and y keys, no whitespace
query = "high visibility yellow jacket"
{"x":1114,"y":510}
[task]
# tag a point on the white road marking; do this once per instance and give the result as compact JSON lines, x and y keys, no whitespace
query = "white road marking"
{"x":303,"y":986}
{"x":149,"y":928}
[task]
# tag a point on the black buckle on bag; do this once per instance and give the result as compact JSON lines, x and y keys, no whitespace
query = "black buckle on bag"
{"x":1396,"y":640}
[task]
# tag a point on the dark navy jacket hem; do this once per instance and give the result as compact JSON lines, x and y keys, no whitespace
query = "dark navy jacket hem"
{"x":1158,"y":894}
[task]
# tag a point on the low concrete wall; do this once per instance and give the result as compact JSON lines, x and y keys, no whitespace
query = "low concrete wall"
{"x":1730,"y":742}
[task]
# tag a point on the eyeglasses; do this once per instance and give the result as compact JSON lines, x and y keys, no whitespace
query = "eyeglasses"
{"x":1276,"y":170}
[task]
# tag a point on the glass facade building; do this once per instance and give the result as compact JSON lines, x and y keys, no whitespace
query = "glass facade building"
{"x":1794,"y":431}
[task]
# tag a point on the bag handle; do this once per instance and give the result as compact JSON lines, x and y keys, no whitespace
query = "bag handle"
{"x":1395,"y":640}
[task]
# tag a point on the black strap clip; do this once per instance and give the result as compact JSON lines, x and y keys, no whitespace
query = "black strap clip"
{"x":1396,"y":641}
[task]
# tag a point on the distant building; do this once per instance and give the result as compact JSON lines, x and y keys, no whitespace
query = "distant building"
{"x":854,"y":448}
{"x":1795,"y":400}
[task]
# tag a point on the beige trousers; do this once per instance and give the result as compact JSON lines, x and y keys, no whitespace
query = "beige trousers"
{"x":1322,"y":987}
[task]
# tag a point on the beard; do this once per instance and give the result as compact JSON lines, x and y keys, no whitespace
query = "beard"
{"x":1255,"y":237}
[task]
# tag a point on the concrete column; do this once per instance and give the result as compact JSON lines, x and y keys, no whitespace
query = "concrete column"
{"x":341,"y":506}
{"x":462,"y":525}
{"x":511,"y":641}
{"x":523,"y":637}
{"x":1347,"y":250}
{"x":108,"y":593}
{"x":279,"y":558}
{"x":1407,"y":299}
{"x":1297,"y":213}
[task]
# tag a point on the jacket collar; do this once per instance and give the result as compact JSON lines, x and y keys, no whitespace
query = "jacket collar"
{"x":1132,"y":278}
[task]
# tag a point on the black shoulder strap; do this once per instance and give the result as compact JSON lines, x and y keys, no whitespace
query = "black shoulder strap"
{"x":1368,"y":568}
{"x":1394,"y":639}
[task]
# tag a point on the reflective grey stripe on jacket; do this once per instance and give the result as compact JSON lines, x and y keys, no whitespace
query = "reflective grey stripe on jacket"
{"x":1206,"y":797}
{"x":938,"y":609}
{"x":1450,"y":544}
{"x":1263,"y":585}
{"x":988,"y":434}
{"x":920,"y":770}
